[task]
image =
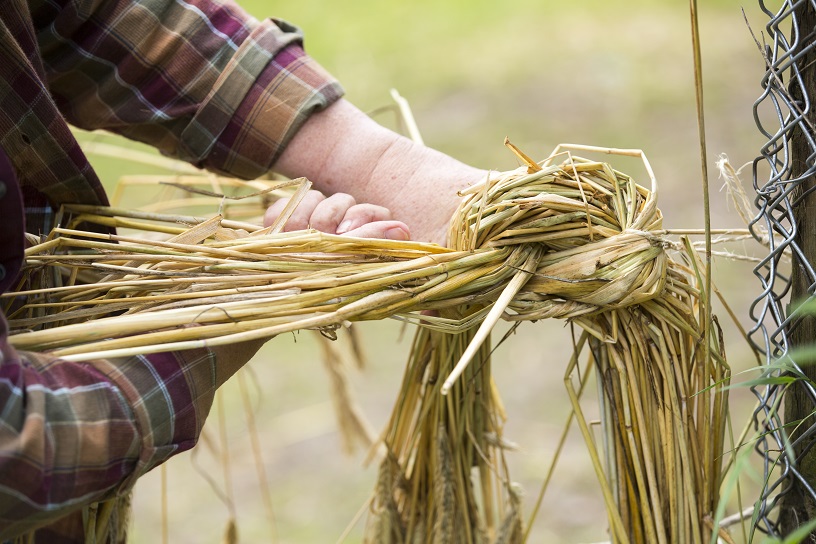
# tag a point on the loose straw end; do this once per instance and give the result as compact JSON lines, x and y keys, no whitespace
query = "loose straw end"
{"x":532,"y":166}
{"x":513,"y":287}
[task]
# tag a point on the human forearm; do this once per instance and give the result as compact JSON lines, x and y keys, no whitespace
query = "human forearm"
{"x":236,"y":101}
{"x":75,"y":433}
{"x":67,"y":435}
{"x":201,"y":80}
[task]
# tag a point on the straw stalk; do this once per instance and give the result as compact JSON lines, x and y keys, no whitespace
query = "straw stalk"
{"x":566,"y":238}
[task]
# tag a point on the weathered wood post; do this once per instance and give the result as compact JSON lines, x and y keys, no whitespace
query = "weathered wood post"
{"x":798,"y":506}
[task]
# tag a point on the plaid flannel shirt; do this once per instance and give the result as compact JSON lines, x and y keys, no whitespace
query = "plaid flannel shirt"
{"x":198,"y":79}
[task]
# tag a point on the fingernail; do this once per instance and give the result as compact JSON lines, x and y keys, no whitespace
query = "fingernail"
{"x":397,"y":233}
{"x":345,"y":226}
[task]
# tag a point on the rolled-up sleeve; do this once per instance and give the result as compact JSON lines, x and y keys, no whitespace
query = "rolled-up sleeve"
{"x":198,"y":79}
{"x":75,"y":433}
{"x":292,"y":87}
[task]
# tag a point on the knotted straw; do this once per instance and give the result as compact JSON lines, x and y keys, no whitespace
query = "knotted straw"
{"x":575,"y":240}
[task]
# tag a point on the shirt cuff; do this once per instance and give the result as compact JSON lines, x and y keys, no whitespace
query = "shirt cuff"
{"x":170,"y":395}
{"x":264,"y":95}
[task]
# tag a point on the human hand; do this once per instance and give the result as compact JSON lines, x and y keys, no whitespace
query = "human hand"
{"x":342,"y":150}
{"x":336,"y":214}
{"x":339,"y":214}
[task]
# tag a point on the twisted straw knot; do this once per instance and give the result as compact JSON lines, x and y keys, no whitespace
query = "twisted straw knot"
{"x":585,"y":235}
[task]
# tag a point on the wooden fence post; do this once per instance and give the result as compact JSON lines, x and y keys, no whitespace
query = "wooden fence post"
{"x":797,"y":506}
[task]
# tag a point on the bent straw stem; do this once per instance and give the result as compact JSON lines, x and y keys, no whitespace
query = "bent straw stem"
{"x":492,"y":317}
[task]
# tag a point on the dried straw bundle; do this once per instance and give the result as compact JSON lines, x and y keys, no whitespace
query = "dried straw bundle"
{"x":576,"y":240}
{"x":587,"y":247}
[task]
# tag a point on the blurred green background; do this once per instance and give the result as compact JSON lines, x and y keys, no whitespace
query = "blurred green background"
{"x":606,"y":73}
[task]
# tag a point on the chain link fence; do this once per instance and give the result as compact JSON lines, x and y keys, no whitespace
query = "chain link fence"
{"x":780,"y":117}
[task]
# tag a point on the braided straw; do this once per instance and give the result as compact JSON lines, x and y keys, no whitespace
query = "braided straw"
{"x":575,"y":240}
{"x":584,"y":244}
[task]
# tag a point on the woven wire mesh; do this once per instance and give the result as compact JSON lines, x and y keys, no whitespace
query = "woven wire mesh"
{"x":781,"y":115}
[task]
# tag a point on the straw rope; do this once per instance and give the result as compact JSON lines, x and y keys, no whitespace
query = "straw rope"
{"x":568,"y":238}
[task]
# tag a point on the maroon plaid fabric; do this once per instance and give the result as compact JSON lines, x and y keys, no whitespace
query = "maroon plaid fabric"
{"x":198,"y":79}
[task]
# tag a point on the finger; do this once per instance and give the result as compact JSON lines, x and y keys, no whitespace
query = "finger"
{"x":360,"y":214}
{"x":300,"y":217}
{"x":389,"y":230}
{"x":274,"y":211}
{"x":328,"y":214}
